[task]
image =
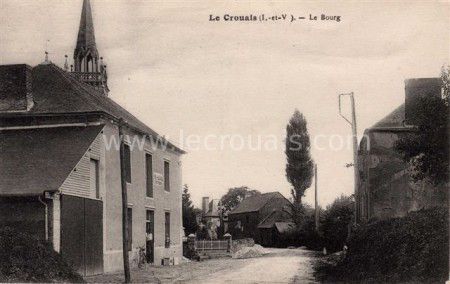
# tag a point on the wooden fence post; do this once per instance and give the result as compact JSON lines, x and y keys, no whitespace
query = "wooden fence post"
{"x":227,"y":236}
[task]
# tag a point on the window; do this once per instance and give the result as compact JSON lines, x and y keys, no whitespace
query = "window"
{"x":130,"y":229}
{"x":167,"y":229}
{"x":94,"y":178}
{"x":149,"y":174}
{"x":166,"y":176}
{"x":127,"y":157}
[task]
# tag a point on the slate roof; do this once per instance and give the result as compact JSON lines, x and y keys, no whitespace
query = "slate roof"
{"x":255,"y":203}
{"x":394,"y":119}
{"x":38,"y":160}
{"x":283,"y":215}
{"x":56,"y":91}
{"x":284,"y":226}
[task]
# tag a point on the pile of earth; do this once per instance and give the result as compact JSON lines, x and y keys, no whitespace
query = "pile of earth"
{"x":241,"y":243}
{"x":249,"y":252}
{"x":24,"y":258}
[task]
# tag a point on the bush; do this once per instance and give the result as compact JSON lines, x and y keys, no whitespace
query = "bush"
{"x":409,"y":249}
{"x":24,"y":258}
{"x":304,"y":235}
{"x":333,"y":226}
{"x":335,"y":222}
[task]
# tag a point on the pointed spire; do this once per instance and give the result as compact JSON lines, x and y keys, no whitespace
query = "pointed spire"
{"x":86,"y":58}
{"x":86,"y":35}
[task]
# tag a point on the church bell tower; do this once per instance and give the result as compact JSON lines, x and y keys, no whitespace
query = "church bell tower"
{"x":88,"y":66}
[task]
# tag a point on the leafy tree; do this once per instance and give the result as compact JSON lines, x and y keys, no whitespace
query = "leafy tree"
{"x":427,"y":149}
{"x":299,"y":167}
{"x":234,"y":196}
{"x":189,"y":212}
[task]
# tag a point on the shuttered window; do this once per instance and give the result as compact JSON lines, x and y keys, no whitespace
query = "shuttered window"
{"x":149,"y":174}
{"x":130,"y":229}
{"x":166,"y":176}
{"x":127,"y":158}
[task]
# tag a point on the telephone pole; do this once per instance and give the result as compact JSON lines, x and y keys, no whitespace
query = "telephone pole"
{"x":316,"y":207}
{"x":126,"y":263}
{"x":355,"y":147}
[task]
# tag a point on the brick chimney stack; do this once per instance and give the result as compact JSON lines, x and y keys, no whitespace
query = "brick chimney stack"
{"x":416,"y":89}
{"x":15,"y":88}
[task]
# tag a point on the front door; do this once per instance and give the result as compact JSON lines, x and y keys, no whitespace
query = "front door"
{"x":150,"y":230}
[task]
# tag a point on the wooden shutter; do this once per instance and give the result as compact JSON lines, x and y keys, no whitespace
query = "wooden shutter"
{"x":127,"y":163}
{"x":166,"y":176}
{"x":149,"y":174}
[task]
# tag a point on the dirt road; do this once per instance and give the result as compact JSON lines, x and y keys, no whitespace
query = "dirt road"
{"x":277,"y":266}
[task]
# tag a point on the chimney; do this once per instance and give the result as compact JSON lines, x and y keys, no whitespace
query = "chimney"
{"x":205,"y":204}
{"x":418,"y":88}
{"x":15,"y":88}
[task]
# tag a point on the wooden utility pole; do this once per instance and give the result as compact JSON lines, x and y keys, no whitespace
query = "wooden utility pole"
{"x":316,"y":205}
{"x":355,"y":148}
{"x":126,"y":263}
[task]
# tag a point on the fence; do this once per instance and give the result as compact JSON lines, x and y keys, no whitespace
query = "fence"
{"x":212,"y":245}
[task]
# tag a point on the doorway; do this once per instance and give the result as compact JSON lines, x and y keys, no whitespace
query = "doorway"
{"x":82,"y":234}
{"x":150,"y":236}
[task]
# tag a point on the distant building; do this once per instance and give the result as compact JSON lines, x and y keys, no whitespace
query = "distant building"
{"x":261,"y":217}
{"x":211,"y":212}
{"x":210,"y":217}
{"x":385,"y":189}
{"x":60,"y":173}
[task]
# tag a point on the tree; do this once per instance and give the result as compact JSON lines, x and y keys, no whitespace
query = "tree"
{"x":335,"y":221}
{"x":189,"y":212}
{"x":299,"y":166}
{"x":234,"y":196}
{"x":427,"y":150}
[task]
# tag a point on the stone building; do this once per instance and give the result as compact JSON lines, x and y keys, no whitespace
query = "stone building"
{"x":60,"y":173}
{"x":385,"y":189}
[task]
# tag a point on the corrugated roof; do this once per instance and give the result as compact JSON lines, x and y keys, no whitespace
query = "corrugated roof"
{"x":255,"y":202}
{"x":56,"y":91}
{"x":38,"y":160}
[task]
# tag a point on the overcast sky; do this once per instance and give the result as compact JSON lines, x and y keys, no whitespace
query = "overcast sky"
{"x":180,"y":73}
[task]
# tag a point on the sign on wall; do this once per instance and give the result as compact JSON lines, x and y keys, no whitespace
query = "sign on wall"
{"x":158,"y":178}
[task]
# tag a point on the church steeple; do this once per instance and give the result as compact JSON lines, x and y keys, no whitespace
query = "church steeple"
{"x":87,"y":65}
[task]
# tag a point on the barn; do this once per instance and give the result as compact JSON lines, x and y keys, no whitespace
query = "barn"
{"x":262,"y":217}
